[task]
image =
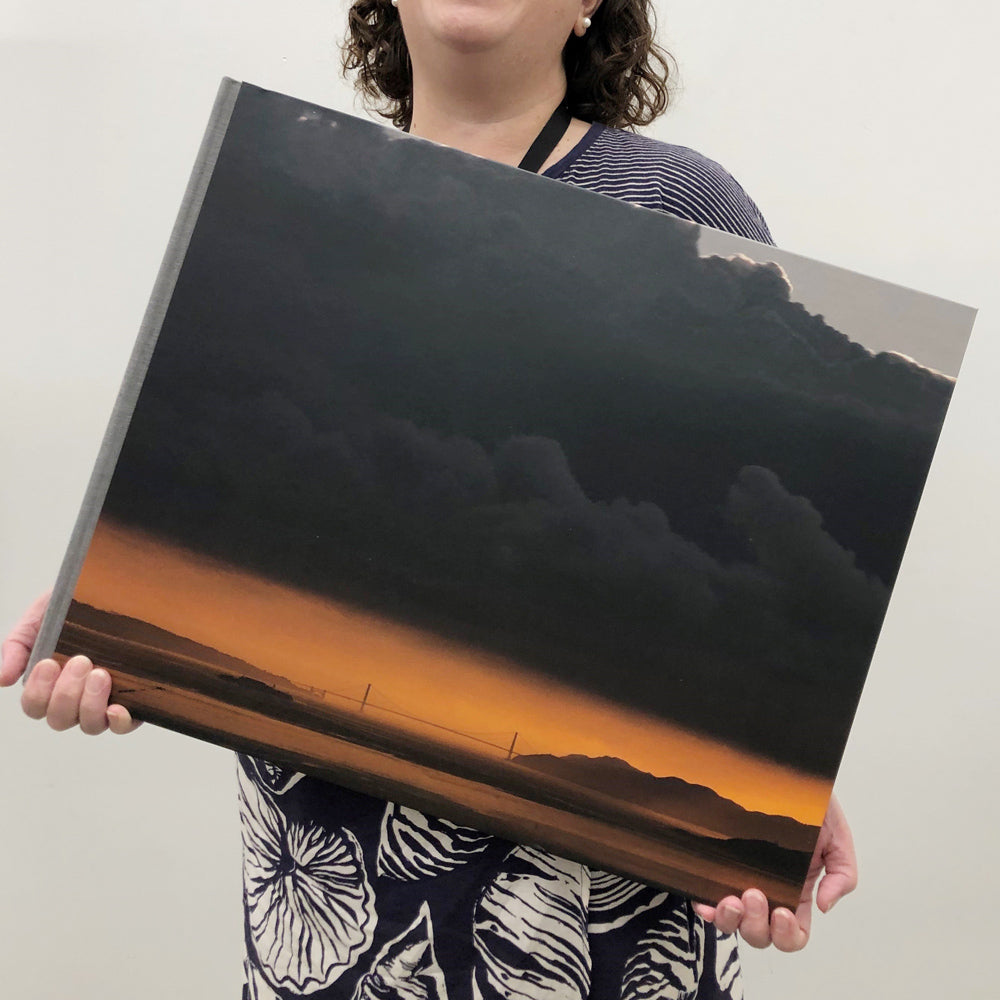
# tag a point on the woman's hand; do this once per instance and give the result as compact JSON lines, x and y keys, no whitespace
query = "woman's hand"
{"x":789,"y":931}
{"x":74,"y":694}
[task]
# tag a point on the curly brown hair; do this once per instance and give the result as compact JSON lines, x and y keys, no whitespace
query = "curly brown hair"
{"x":616,"y":73}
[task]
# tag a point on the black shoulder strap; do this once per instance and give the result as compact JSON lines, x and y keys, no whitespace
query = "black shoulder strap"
{"x":547,"y":140}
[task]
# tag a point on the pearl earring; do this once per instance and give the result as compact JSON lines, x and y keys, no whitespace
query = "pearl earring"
{"x":586,"y":21}
{"x":395,"y":3}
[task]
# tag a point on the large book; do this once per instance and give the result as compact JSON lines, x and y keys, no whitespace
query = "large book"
{"x":549,"y":515}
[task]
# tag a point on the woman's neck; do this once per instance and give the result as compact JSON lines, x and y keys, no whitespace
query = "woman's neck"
{"x":497,"y":119}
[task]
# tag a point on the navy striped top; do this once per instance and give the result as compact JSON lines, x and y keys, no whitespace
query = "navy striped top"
{"x":661,"y":176}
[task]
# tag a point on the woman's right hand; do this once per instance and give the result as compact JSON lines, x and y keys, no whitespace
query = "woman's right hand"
{"x":74,"y":694}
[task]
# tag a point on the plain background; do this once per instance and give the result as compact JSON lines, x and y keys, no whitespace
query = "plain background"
{"x":864,"y":130}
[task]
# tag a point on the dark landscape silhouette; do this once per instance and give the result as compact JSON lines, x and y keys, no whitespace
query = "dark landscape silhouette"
{"x":676,"y":798}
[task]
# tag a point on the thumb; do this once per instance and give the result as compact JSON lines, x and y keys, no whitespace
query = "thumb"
{"x":17,"y":646}
{"x":839,"y":860}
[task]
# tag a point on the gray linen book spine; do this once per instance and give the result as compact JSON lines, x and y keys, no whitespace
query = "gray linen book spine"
{"x":135,"y":372}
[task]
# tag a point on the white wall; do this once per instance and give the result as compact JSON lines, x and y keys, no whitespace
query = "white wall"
{"x":864,"y":131}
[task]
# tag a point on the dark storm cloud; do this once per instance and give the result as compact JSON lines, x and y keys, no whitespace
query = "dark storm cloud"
{"x":534,"y":420}
{"x":820,"y":578}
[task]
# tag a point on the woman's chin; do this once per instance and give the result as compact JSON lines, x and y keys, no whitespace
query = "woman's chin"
{"x":468,"y":27}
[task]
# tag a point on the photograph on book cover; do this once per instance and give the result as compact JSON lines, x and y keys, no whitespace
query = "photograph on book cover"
{"x":553,"y":516}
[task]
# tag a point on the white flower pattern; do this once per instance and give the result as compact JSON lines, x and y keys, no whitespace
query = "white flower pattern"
{"x":414,"y":846}
{"x":530,"y":930}
{"x":668,"y":960}
{"x":727,"y":966}
{"x":615,"y":900}
{"x":257,"y":987}
{"x":406,"y":968}
{"x":310,"y":908}
{"x":274,"y":777}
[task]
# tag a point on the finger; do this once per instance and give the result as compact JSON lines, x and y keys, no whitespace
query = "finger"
{"x":38,"y":688}
{"x":728,"y":914}
{"x":706,"y":912}
{"x":94,"y":702}
{"x":755,"y":927}
{"x":787,"y":934}
{"x":15,"y":659}
{"x":120,"y":720}
{"x":17,"y":646}
{"x":64,"y":705}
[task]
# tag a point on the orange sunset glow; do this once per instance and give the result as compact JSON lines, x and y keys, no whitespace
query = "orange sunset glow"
{"x":316,"y":642}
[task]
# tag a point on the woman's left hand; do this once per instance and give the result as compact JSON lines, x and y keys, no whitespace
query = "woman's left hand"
{"x":789,"y":931}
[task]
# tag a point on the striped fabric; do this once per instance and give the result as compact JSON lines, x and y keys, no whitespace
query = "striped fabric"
{"x":661,"y":176}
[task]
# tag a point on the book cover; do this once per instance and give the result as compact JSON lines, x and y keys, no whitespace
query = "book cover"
{"x":550,"y":515}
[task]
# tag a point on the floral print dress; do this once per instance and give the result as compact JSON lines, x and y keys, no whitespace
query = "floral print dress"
{"x":350,"y":897}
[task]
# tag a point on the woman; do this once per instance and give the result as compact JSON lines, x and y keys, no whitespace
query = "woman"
{"x":348,"y":896}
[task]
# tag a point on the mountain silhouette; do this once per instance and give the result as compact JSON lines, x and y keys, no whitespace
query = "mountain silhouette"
{"x":676,"y":798}
{"x":134,"y":630}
